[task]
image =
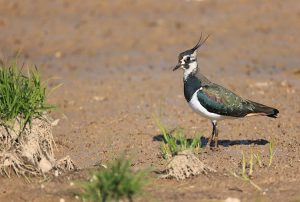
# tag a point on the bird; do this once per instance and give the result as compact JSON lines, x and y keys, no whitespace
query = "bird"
{"x":213,"y":101}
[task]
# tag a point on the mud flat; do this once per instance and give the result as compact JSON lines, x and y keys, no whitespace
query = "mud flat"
{"x":115,"y":61}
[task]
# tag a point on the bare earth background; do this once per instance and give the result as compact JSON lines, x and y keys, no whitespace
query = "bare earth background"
{"x":114,"y":59}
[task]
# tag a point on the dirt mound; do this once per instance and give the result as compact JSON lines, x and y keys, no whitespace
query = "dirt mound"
{"x":185,"y":165}
{"x":29,"y":151}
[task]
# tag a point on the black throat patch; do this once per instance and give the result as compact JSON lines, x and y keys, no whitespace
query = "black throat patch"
{"x":191,"y":85}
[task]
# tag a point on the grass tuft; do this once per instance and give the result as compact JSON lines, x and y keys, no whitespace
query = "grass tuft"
{"x":271,"y":152}
{"x":174,"y":144}
{"x":247,"y":164}
{"x":115,"y":182}
{"x":246,"y":176}
{"x":258,"y":160}
{"x":22,"y":95}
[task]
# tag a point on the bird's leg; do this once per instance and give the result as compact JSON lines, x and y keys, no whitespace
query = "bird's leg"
{"x":212,"y":134}
{"x":216,"y":134}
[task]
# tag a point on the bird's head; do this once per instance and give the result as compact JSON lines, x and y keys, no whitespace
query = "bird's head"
{"x":187,"y":60}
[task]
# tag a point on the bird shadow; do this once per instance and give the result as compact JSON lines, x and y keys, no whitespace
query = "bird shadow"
{"x":224,"y":143}
{"x":228,"y":143}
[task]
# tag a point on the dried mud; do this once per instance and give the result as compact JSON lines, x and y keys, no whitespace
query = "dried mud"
{"x":114,"y":59}
{"x":28,"y":151}
{"x":185,"y":165}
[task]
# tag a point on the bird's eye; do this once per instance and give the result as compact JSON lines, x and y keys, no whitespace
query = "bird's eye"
{"x":187,"y":59}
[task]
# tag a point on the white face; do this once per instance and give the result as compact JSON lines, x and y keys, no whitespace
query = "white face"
{"x":192,"y":69}
{"x":188,"y":58}
{"x":189,"y":64}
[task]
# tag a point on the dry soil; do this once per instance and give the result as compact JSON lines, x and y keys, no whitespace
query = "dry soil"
{"x":114,"y":59}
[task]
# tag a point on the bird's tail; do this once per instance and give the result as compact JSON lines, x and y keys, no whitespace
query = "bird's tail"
{"x":260,"y":109}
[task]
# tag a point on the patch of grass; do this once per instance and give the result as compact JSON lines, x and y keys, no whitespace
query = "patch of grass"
{"x":174,"y":144}
{"x":247,"y":170}
{"x":247,"y":175}
{"x":115,"y":182}
{"x":247,"y":165}
{"x":22,"y":95}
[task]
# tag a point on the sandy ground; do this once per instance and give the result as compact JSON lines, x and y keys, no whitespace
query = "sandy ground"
{"x":114,"y":59}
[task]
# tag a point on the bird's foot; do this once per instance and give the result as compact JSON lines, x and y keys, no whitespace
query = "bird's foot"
{"x":214,"y":146}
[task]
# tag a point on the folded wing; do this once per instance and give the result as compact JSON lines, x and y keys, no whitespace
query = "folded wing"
{"x":219,"y":100}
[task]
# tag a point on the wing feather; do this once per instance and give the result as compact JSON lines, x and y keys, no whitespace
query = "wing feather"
{"x":217,"y":99}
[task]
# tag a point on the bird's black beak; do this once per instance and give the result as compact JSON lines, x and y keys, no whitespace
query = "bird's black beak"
{"x":176,"y":67}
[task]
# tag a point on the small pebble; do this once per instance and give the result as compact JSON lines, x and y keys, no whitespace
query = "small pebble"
{"x":97,"y":98}
{"x":58,"y":54}
{"x":229,"y":199}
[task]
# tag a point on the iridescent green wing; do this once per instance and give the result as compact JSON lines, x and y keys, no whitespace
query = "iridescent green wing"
{"x":219,"y":100}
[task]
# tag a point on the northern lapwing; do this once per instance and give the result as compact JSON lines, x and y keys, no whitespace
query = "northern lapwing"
{"x":211,"y":100}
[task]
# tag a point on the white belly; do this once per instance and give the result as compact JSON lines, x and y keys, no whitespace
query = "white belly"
{"x":197,"y":107}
